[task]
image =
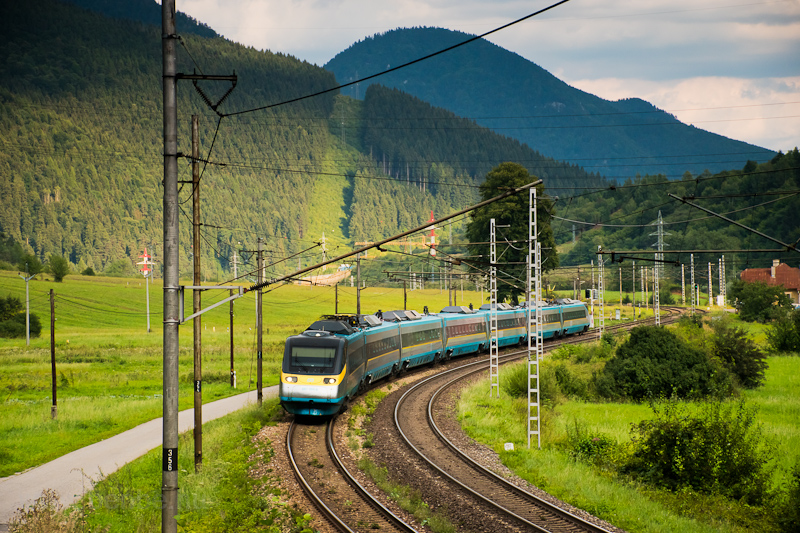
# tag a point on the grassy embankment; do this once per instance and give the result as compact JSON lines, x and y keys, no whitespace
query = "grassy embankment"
{"x":108,"y":368}
{"x":623,"y":502}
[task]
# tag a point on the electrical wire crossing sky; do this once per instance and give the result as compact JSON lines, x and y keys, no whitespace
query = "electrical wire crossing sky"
{"x":727,"y":66}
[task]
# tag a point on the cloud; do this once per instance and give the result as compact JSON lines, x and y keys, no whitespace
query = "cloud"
{"x":764,"y":112}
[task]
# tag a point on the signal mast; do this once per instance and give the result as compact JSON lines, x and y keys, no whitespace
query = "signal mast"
{"x":433,"y":237}
{"x":147,"y":272}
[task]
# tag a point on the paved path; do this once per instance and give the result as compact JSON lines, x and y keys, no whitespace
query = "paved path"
{"x":67,"y":473}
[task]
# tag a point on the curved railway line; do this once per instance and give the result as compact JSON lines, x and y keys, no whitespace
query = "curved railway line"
{"x":421,"y":436}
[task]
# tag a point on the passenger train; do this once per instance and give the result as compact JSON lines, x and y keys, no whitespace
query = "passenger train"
{"x":338,"y":356}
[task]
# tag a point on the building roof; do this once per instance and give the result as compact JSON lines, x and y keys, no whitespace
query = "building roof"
{"x":785,"y":275}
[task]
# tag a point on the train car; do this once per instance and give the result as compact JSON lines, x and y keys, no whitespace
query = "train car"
{"x":465,"y":331}
{"x":382,"y":346}
{"x":511,"y":328}
{"x":420,"y":336}
{"x":322,"y":367}
{"x":574,"y":316}
{"x":552,"y":325}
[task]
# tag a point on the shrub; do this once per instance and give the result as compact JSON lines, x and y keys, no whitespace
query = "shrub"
{"x":9,"y":306}
{"x":721,"y":450}
{"x":30,"y":264}
{"x":88,"y":271}
{"x":15,"y":326}
{"x":514,"y":382}
{"x":46,"y":514}
{"x":594,"y":448}
{"x":788,"y":511}
{"x":784,"y":335}
{"x":739,"y":354}
{"x":655,"y":363}
{"x":570,"y":384}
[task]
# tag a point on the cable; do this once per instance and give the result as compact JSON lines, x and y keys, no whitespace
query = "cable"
{"x":393,"y":69}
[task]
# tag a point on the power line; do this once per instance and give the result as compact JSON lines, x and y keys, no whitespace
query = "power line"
{"x":404,"y":65}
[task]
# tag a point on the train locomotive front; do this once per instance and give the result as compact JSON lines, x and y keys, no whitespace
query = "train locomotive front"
{"x":314,"y":373}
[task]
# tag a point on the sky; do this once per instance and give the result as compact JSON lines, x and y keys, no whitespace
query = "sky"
{"x":727,"y":66}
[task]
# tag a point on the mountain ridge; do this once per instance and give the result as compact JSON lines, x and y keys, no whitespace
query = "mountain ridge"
{"x":483,"y":81}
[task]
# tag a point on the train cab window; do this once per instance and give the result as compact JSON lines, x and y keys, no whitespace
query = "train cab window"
{"x":304,"y":357}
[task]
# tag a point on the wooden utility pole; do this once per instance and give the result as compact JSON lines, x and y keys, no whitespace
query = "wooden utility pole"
{"x":259,"y":322}
{"x":233,"y":372}
{"x":198,"y":332}
{"x":54,"y":408}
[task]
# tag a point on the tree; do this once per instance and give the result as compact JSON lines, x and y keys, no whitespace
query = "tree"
{"x":655,"y":363}
{"x":10,"y":306}
{"x":513,"y":212}
{"x":739,"y":354}
{"x":30,"y":263}
{"x":59,"y":267}
{"x":759,"y":301}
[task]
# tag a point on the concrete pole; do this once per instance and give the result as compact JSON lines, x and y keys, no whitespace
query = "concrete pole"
{"x":169,"y":470}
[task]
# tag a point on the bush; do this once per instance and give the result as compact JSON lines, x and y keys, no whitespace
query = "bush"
{"x":46,"y":514}
{"x":570,"y":384}
{"x":784,"y":335}
{"x":655,"y":363}
{"x":30,"y":264}
{"x":88,"y":271}
{"x":739,"y":354}
{"x":721,"y":450}
{"x":514,"y":382}
{"x":593,"y":448}
{"x":9,"y":306}
{"x":15,"y":326}
{"x":788,"y":511}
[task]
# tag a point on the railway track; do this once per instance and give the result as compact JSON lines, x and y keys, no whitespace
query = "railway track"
{"x":425,"y":427}
{"x":331,"y":487}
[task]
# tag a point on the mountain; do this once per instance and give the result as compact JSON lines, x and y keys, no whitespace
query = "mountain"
{"x":503,"y":91}
{"x":81,"y":134}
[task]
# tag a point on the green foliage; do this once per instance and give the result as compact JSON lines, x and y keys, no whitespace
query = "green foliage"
{"x":514,"y":212}
{"x":514,"y":382}
{"x":788,"y":509}
{"x":30,"y":264}
{"x":59,"y":267}
{"x":784,"y":334}
{"x":14,"y":327}
{"x":570,"y":384}
{"x":739,"y":353}
{"x":88,"y":271}
{"x":759,"y":302}
{"x":655,"y":363}
{"x":590,"y":447}
{"x":10,"y":250}
{"x":121,"y":268}
{"x":10,"y":306}
{"x":722,"y":449}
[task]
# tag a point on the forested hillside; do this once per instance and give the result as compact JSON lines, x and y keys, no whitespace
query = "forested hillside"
{"x":506,"y":92}
{"x":81,"y":136}
{"x":762,"y":197}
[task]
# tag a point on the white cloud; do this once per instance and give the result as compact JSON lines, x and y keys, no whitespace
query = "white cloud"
{"x":765,"y":112}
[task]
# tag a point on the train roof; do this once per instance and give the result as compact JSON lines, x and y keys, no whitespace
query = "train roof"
{"x":500,"y":307}
{"x":459,"y":309}
{"x":401,"y":316}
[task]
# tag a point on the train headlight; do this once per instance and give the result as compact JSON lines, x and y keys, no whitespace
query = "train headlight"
{"x":329,"y":381}
{"x":291,"y":379}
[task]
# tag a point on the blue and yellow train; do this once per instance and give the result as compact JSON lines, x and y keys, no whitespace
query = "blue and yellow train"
{"x":339,"y":356}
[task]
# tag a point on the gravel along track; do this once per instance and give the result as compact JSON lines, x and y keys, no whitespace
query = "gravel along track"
{"x":328,"y":481}
{"x":329,"y":485}
{"x":414,"y":413}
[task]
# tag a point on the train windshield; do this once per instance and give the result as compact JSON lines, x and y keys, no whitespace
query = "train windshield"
{"x":317,"y":356}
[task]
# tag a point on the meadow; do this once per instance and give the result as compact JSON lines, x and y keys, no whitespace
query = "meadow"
{"x":108,"y":367}
{"x":627,"y":503}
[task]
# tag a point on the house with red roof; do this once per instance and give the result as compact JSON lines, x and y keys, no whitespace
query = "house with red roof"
{"x":778,"y":274}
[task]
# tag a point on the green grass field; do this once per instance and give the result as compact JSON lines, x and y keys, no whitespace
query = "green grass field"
{"x":108,"y":368}
{"x":628,"y":504}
